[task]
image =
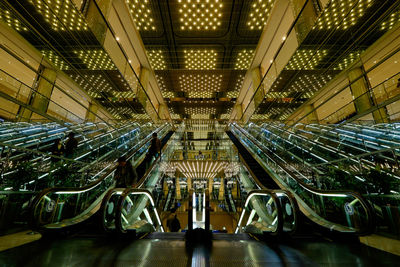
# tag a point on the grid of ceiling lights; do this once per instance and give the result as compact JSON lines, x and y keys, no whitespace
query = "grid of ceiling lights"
{"x":286,"y":113}
{"x":310,"y":83}
{"x":200,"y":15}
{"x":235,"y":92}
{"x":95,"y":59}
{"x":350,"y":58}
{"x":70,"y":19}
{"x":11,"y":20}
{"x":200,"y":110}
{"x":200,"y":116}
{"x":92,"y":82}
{"x":225,"y":116}
{"x":200,"y":59}
{"x":391,"y":21}
{"x":141,"y":14}
{"x":277,"y":95}
{"x":157,"y":59}
{"x":128,"y":95}
{"x":175,"y":116}
{"x":201,"y":169}
{"x":260,"y":117}
{"x":244,"y":59}
{"x":115,"y":113}
{"x":258,"y":16}
{"x":143,"y":116}
{"x":306,"y":59}
{"x":336,"y":15}
{"x":200,"y":86}
{"x":55,"y":59}
{"x":163,"y":88}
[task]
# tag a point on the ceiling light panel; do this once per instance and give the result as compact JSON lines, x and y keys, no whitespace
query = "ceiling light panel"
{"x":164,"y":91}
{"x":238,"y":85}
{"x":95,"y":59}
{"x":60,"y":14}
{"x":306,"y":59}
{"x":342,"y":14}
{"x":94,"y":84}
{"x":200,"y":15}
{"x":142,"y":15}
{"x":260,"y":117}
{"x":157,"y":59}
{"x":175,"y":116}
{"x":309,"y":83}
{"x":200,"y":110}
{"x":200,"y":116}
{"x":201,"y":169}
{"x":55,"y":59}
{"x":390,"y":22}
{"x":200,"y":59}
{"x":200,"y":85}
{"x":348,"y":60}
{"x":259,"y":13}
{"x":11,"y":20}
{"x":244,"y":58}
{"x":225,"y":116}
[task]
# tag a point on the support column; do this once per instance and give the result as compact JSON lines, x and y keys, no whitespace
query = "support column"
{"x":312,"y":116}
{"x":189,"y":184}
{"x":91,"y":112}
{"x":258,"y":94}
{"x":363,"y":100}
{"x":142,"y":96}
{"x":221,"y":194}
{"x":210,"y":185}
{"x":39,"y":100}
{"x":177,"y":188}
{"x":163,"y":112}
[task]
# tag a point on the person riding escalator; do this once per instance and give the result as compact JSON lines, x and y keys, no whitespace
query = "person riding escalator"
{"x":125,"y":175}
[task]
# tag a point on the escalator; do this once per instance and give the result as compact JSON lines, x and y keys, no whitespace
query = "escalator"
{"x":253,"y":165}
{"x":23,"y":179}
{"x":343,"y":211}
{"x":58,"y":208}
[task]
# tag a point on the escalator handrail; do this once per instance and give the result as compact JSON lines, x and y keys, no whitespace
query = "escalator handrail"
{"x":274,"y":197}
{"x":104,"y":204}
{"x":125,"y":194}
{"x":88,"y":187}
{"x":138,"y":185}
{"x":370,"y":214}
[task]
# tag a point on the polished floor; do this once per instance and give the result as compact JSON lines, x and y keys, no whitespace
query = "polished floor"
{"x":171,"y":250}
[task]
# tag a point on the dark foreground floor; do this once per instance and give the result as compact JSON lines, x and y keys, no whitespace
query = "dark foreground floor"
{"x":170,"y":250}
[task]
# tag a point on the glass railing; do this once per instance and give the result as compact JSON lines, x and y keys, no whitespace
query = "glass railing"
{"x":61,"y":207}
{"x":374,"y":175}
{"x":345,"y":211}
{"x":49,"y":170}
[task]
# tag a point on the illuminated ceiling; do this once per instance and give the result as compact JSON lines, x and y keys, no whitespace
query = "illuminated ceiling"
{"x":60,"y":32}
{"x":343,"y":30}
{"x":200,"y":168}
{"x":200,"y":51}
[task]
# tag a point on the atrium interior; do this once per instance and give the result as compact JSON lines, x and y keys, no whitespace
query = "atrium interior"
{"x":199,"y":132}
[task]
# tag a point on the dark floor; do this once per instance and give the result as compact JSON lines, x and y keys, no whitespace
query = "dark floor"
{"x":170,"y":250}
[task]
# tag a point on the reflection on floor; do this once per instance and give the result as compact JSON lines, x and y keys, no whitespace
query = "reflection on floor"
{"x":18,"y":239}
{"x":169,"y":250}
